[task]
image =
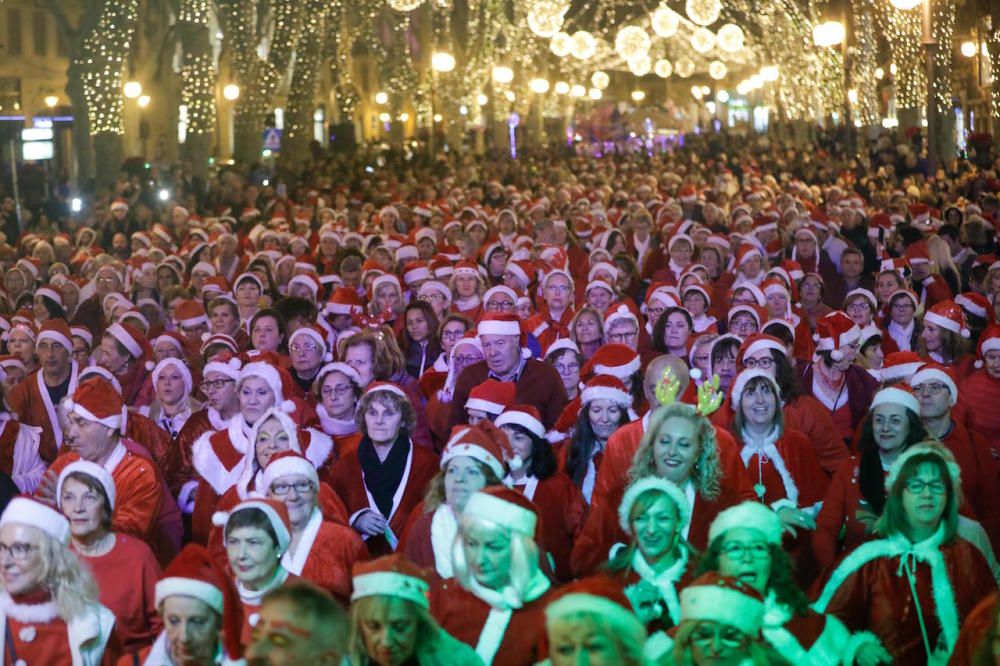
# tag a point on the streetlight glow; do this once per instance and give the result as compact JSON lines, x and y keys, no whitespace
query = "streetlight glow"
{"x":51,"y":101}
{"x":143,"y":101}
{"x":905,"y":4}
{"x":132,"y":89}
{"x":539,"y":86}
{"x":828,"y":34}
{"x":231,"y":92}
{"x":503,"y":74}
{"x":561,"y":87}
{"x":381,"y":97}
{"x":968,"y":49}
{"x":638,"y":95}
{"x":442,"y":61}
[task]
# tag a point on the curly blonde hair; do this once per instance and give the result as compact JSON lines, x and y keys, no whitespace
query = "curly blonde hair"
{"x":72,"y":587}
{"x":705,"y":474}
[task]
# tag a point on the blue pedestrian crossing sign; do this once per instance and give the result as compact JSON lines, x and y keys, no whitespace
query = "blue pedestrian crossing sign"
{"x":272,"y":139}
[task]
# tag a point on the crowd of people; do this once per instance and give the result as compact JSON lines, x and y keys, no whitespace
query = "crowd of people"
{"x":728,"y":404}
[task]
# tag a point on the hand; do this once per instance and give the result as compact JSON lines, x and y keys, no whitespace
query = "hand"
{"x":872,"y":654}
{"x":795,"y":519}
{"x":709,"y":397}
{"x":667,"y":387}
{"x":46,"y":490}
{"x":370,"y":523}
{"x":645,"y":600}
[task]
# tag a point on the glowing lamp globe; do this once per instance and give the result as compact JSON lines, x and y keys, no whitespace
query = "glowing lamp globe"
{"x":600,"y":80}
{"x":503,"y":74}
{"x":132,"y":89}
{"x":702,"y":40}
{"x":442,"y":61}
{"x":584,"y":45}
{"x":640,"y":66}
{"x":539,"y":86}
{"x":632,"y":42}
{"x":231,"y":92}
{"x":663,"y":68}
{"x":703,"y":12}
{"x":828,"y":34}
{"x":405,"y":5}
{"x":769,"y":73}
{"x":684,"y":68}
{"x":664,"y":21}
{"x":717,"y":69}
{"x":561,"y":44}
{"x":561,"y":88}
{"x":730,"y":38}
{"x":905,"y":5}
{"x":968,"y":49}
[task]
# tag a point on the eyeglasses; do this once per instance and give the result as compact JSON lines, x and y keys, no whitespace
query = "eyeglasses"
{"x":452,"y":335}
{"x":215,"y":383}
{"x":933,"y":388}
{"x":339,"y":389}
{"x":18,"y":550}
{"x":499,"y":306}
{"x":466,"y":360}
{"x":305,"y":346}
{"x":558,"y":287}
{"x":738,"y":551}
{"x":430,"y":297}
{"x":858,"y":305}
{"x":762,"y":363}
{"x":916,"y":486}
{"x":731,"y":637}
{"x":905,"y":305}
{"x":567,"y":368}
{"x":301,"y":487}
{"x":622,"y":337}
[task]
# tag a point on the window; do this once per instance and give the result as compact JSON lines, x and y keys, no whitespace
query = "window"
{"x":14,"y":31}
{"x":40,"y":34}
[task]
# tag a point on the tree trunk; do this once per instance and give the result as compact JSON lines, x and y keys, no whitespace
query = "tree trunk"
{"x":83,"y":149}
{"x":302,"y":94}
{"x":248,"y":128}
{"x":198,"y":84}
{"x":108,"y":157}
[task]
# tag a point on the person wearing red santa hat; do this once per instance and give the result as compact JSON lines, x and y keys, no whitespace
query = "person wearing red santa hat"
{"x":337,"y":390}
{"x":126,"y":353}
{"x":496,"y":600}
{"x":467,"y":287}
{"x":474,"y":457}
{"x":945,"y":338}
{"x":856,"y":496}
{"x":781,"y":461}
{"x":927,"y":280}
{"x":833,"y":379}
{"x":797,"y":633}
{"x":901,"y":325}
{"x":202,"y":613}
{"x":257,"y":535}
{"x":591,"y":622}
{"x":534,"y":471}
{"x":49,"y":610}
{"x":97,"y":419}
{"x":308,"y":349}
{"x":983,"y":384}
{"x":537,"y":382}
{"x":383,"y":479}
{"x":914,"y":585}
{"x":124,"y":568}
{"x":391,"y":621}
{"x":174,"y":403}
{"x":487,"y":400}
{"x":937,"y":392}
{"x":35,"y":401}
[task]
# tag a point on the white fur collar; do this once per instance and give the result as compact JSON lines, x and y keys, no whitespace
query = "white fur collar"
{"x":215,"y":419}
{"x":766,"y":451}
{"x":335,"y":427}
{"x":444,"y":529}
{"x":28,"y":613}
{"x":666,"y":581}
{"x":254,"y":597}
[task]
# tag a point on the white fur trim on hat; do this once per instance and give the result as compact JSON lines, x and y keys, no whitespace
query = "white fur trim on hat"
{"x":181,"y":367}
{"x":221,"y":519}
{"x":230,"y":368}
{"x":56,"y":336}
{"x":723,"y":605}
{"x":501,"y":512}
{"x":744,"y":378}
{"x":176,"y":586}
{"x":561,"y":344}
{"x":320,"y":341}
{"x":93,"y":470}
{"x":895,"y":396}
{"x":269,"y":374}
{"x":944,"y":322}
{"x":286,"y":466}
{"x":753,"y":515}
{"x":926,"y":374}
{"x":391,"y":584}
{"x":457,"y":448}
{"x":25,"y":511}
{"x":83,"y":333}
{"x":624,"y":622}
{"x":523,"y":419}
{"x":867,"y":294}
{"x":620,"y":398}
{"x":341,"y":367}
{"x":668,"y":488}
{"x":924,"y":448}
{"x":500,"y":289}
{"x":496,"y":327}
{"x":118,"y":332}
{"x":484,"y":405}
{"x":621,"y":312}
{"x":115,"y":421}
{"x":968,"y":304}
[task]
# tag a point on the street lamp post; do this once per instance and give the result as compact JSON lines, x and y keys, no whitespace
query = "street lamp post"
{"x":444,"y":62}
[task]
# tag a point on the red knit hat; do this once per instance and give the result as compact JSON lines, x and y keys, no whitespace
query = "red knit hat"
{"x":717,"y":598}
{"x":989,"y":340}
{"x":612,"y":359}
{"x":190,"y":313}
{"x":505,"y":507}
{"x":949,"y":316}
{"x":483,"y":442}
{"x":900,"y":365}
{"x":834,"y":331}
{"x":392,"y":576}
{"x":135,"y":341}
{"x":491,"y":396}
{"x":92,"y":401}
{"x":58,"y":331}
{"x":193,"y":573}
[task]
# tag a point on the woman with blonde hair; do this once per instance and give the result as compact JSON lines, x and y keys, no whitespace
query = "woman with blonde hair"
{"x":943,"y":263}
{"x":48,"y":608}
{"x":390,"y":620}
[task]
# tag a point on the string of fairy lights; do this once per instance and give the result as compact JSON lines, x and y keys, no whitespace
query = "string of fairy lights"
{"x":305,"y":76}
{"x":104,"y":54}
{"x":198,"y":71}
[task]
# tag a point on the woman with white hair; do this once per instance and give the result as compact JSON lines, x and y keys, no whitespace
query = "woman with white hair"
{"x":497,"y":599}
{"x":174,"y":403}
{"x":48,"y":608}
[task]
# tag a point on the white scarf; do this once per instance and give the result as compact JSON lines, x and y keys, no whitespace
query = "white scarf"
{"x":766,"y":451}
{"x":502,"y":606}
{"x":335,"y":427}
{"x":901,"y":335}
{"x":703,"y":322}
{"x":444,"y":530}
{"x":255,"y":597}
{"x":467,"y":303}
{"x":295,"y":562}
{"x":441,"y":364}
{"x":665,"y":581}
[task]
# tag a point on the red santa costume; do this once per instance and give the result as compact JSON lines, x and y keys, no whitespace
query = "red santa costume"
{"x":504,"y":626}
{"x":19,"y":459}
{"x":345,"y":432}
{"x":125,"y":575}
{"x":985,"y":388}
{"x":36,"y":633}
{"x":892,"y":586}
{"x":193,"y":574}
{"x":357,"y":473}
{"x":137,"y":380}
{"x":470,"y":307}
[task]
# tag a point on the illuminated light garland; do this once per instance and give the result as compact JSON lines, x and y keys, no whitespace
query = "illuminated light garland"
{"x":103,"y":59}
{"x":730,"y":38}
{"x":641,"y":65}
{"x":703,"y":12}
{"x":664,"y":21}
{"x":684,"y":68}
{"x":717,"y":69}
{"x":902,"y":30}
{"x":561,"y":44}
{"x":632,"y":42}
{"x":864,"y":63}
{"x":545,"y":17}
{"x":943,"y":19}
{"x":584,"y":45}
{"x":702,"y":40}
{"x":405,"y":5}
{"x":663,"y":68}
{"x":600,"y":80}
{"x":305,"y":78}
{"x":993,"y":49}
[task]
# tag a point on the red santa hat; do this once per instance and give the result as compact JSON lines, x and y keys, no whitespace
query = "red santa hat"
{"x":505,"y":507}
{"x":467,"y":268}
{"x":701,"y":290}
{"x":949,"y":316}
{"x":834,"y":331}
{"x":435,"y":287}
{"x":918,"y":253}
{"x":500,"y":289}
{"x":620,"y":313}
{"x":523,"y":270}
{"x":391,"y":576}
{"x":51,"y":294}
{"x":745,"y":252}
{"x":119,"y":204}
{"x":211,"y":339}
{"x":273,"y":377}
{"x":753,"y":310}
{"x":864,"y":293}
{"x":93,"y":470}
{"x":687,"y":194}
{"x":29,"y":511}
{"x":612,"y":359}
{"x":344,"y":301}
{"x":753,"y":515}
{"x":716,"y":598}
{"x":190,"y":313}
{"x":483,"y":442}
{"x":252,"y":277}
{"x":181,"y":367}
{"x":900,"y":365}
{"x":426,"y":233}
{"x":491,"y":396}
{"x":976,"y":304}
{"x":927,"y":449}
{"x":896,"y":395}
{"x":193,"y":573}
{"x":135,"y":341}
{"x":308,"y":280}
{"x":92,"y":401}
{"x":989,"y":340}
{"x":388,"y":387}
{"x":606,"y":387}
{"x":275,"y":512}
{"x":758,"y":294}
{"x":57,"y":330}
{"x":416,"y":271}
{"x":224,"y":364}
{"x":758,"y":342}
{"x":744,"y":378}
{"x":525,"y":416}
{"x":647,"y":484}
{"x":317,"y":335}
{"x":83,"y":333}
{"x":935,"y":372}
{"x":600,"y":597}
{"x":288,"y":463}
{"x":97,"y":373}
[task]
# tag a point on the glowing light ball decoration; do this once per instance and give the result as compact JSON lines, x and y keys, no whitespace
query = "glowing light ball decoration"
{"x":405,"y":5}
{"x":703,"y":12}
{"x":769,"y":73}
{"x":664,"y":21}
{"x":717,"y":69}
{"x":702,"y":40}
{"x":561,"y":44}
{"x":640,"y":66}
{"x":730,"y":38}
{"x":600,"y":80}
{"x":663,"y":68}
{"x":503,"y":74}
{"x":684,"y":68}
{"x":905,"y":5}
{"x":545,"y":17}
{"x":584,"y":45}
{"x":632,"y":42}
